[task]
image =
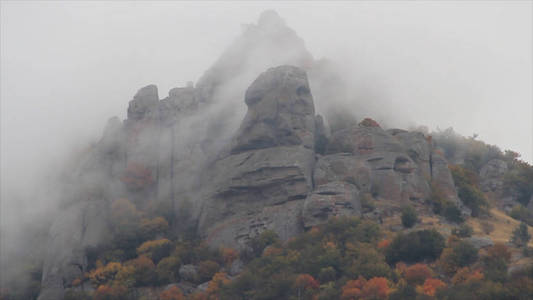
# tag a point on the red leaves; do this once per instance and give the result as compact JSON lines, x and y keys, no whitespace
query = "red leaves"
{"x":306,"y":282}
{"x":173,"y":293}
{"x":375,"y":288}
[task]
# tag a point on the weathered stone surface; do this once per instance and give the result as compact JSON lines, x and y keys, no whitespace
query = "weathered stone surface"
{"x":332,"y":199}
{"x":441,"y":176}
{"x":343,"y":167}
{"x":480,"y":241}
{"x":491,"y":175}
{"x":280,"y":111}
{"x":188,"y":272}
{"x":82,"y":225}
{"x":236,"y":230}
{"x":144,"y":103}
{"x":365,"y":138}
{"x":262,"y":182}
{"x":377,"y":162}
{"x":236,"y":267}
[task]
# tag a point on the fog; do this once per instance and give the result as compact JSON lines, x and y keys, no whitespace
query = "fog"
{"x":66,"y":68}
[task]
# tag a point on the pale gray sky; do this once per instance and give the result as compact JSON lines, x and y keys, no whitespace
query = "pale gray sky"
{"x":66,"y":67}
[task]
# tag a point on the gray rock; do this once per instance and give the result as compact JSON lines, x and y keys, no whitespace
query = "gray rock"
{"x":188,"y":272}
{"x":236,"y":267}
{"x":332,"y":199}
{"x":203,"y":287}
{"x":262,"y":182}
{"x":480,"y":241}
{"x":82,"y":225}
{"x":280,"y":111}
{"x":491,"y":175}
{"x":363,"y":139}
{"x":144,"y":103}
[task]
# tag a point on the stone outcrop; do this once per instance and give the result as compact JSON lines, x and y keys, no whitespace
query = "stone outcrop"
{"x":279,"y":169}
{"x":262,"y":181}
{"x":491,"y":176}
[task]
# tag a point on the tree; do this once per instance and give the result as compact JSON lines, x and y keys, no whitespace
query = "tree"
{"x":417,"y":274}
{"x":305,"y":283}
{"x":431,"y":285}
{"x":409,"y":216}
{"x":415,"y":246}
{"x":521,"y":235}
{"x":156,"y":249}
{"x":107,"y":292}
{"x":376,"y":288}
{"x":172,"y":293}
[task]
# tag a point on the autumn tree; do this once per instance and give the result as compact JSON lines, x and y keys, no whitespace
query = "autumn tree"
{"x":305,"y":284}
{"x":172,"y":293}
{"x":155,"y":249}
{"x":376,"y":288}
{"x":431,"y":286}
{"x":417,"y":274}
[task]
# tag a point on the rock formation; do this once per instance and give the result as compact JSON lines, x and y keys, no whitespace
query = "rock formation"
{"x":279,"y":169}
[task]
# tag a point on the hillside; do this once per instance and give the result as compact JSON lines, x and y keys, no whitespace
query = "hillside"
{"x":178,"y":201}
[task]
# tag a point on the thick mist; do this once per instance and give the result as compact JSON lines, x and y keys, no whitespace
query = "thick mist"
{"x":66,"y":68}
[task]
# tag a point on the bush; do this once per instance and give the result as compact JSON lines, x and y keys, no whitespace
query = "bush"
{"x":156,"y":249}
{"x":521,"y":235}
{"x":468,"y":190}
{"x":415,"y":246}
{"x":458,"y":254}
{"x":452,"y":213}
{"x":409,"y":216}
{"x":167,"y":269}
{"x":207,"y":269}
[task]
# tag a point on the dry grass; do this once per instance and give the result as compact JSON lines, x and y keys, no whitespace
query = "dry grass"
{"x":502,"y":223}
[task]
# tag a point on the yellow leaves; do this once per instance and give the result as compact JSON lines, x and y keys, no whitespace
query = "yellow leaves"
{"x":147,"y":248}
{"x":102,"y":274}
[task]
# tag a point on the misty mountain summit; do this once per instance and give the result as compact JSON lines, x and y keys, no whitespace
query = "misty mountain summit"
{"x":253,"y":180}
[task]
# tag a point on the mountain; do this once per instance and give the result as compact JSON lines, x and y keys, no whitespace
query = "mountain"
{"x":196,"y":163}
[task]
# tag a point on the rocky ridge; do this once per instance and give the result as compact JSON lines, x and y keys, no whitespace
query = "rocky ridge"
{"x":280,"y":169}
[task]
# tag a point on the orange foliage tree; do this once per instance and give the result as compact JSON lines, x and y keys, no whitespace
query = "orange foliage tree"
{"x":219,"y":279}
{"x":107,"y":292}
{"x":352,"y":289}
{"x":417,"y":274}
{"x":305,"y":283}
{"x":375,"y":288}
{"x":172,"y":293}
{"x":431,"y":286}
{"x":466,"y":275}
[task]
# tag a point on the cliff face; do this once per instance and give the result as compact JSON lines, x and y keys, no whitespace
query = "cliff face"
{"x":279,"y":169}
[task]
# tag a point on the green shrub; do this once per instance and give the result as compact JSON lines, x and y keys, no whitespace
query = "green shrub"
{"x":521,"y":235}
{"x":468,"y":190}
{"x":415,"y":246}
{"x":409,"y":216}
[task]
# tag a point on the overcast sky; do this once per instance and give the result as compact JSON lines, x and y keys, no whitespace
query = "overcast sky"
{"x":66,"y":67}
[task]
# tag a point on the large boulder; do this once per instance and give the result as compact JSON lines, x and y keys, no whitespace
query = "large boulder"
{"x":491,"y":175}
{"x":280,"y":112}
{"x":332,"y":199}
{"x":384,"y":166}
{"x":262,"y":181}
